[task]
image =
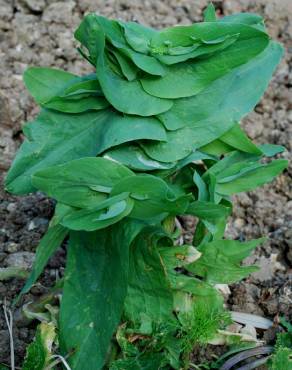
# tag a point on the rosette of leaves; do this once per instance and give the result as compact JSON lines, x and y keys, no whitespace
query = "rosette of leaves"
{"x":151,"y":134}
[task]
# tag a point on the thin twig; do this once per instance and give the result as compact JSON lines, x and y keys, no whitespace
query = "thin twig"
{"x":9,"y":323}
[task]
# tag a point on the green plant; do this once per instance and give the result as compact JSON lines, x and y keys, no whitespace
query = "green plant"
{"x":282,"y":356}
{"x":153,"y":133}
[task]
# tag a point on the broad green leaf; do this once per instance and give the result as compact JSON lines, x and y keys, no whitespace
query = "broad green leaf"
{"x":54,"y":138}
{"x":86,"y":34}
{"x":212,"y":216}
{"x":238,"y":139}
{"x":251,"y":177}
{"x":145,"y":63}
{"x":216,"y":227}
{"x":270,"y":150}
{"x":226,"y":165}
{"x":187,"y":288}
{"x":48,"y":245}
{"x":134,"y":157}
{"x":200,"y":290}
{"x":233,"y":139}
{"x":114,"y":34}
{"x":203,"y":194}
{"x":46,"y":83}
{"x":213,"y":112}
{"x":94,"y":260}
{"x":210,"y":13}
{"x":183,"y":142}
{"x":133,"y":99}
{"x":38,"y":353}
{"x":190,"y":78}
{"x":202,"y":233}
{"x":83,"y":86}
{"x":250,"y":19}
{"x":201,"y":49}
{"x":238,"y":169}
{"x":207,"y":210}
{"x":61,"y":210}
{"x":148,"y":285}
{"x":137,"y":36}
{"x":194,"y":157}
{"x":232,"y":96}
{"x":77,"y":106}
{"x":107,"y":213}
{"x":198,"y":33}
{"x":220,"y":261}
{"x":152,"y":196}
{"x":82,"y":183}
{"x":63,"y":91}
{"x":217,"y":148}
{"x":128,"y":68}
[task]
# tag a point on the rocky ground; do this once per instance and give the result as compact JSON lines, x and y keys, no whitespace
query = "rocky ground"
{"x":39,"y":32}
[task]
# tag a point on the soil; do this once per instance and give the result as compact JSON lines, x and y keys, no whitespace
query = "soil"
{"x":39,"y":32}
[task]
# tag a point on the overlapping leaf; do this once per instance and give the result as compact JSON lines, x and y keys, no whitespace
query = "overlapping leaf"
{"x":54,"y":138}
{"x":242,"y":172}
{"x":94,"y":260}
{"x":220,"y":261}
{"x":106,"y":192}
{"x":63,"y":91}
{"x":148,"y":284}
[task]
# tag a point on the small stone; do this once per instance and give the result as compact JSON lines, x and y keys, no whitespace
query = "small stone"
{"x":38,"y":289}
{"x":249,"y":330}
{"x":59,"y":12}
{"x":31,"y":226}
{"x":11,"y":207}
{"x":254,"y":125}
{"x":20,"y":259}
{"x":224,"y":289}
{"x":5,"y":117}
{"x":35,"y":5}
{"x":6,"y":10}
{"x":268,"y":267}
{"x":273,"y":306}
{"x":2,"y":256}
{"x":239,"y":223}
{"x":7,"y":148}
{"x":11,"y":247}
{"x":37,"y":222}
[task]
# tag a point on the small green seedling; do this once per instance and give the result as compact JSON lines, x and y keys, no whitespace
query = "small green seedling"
{"x":151,"y":134}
